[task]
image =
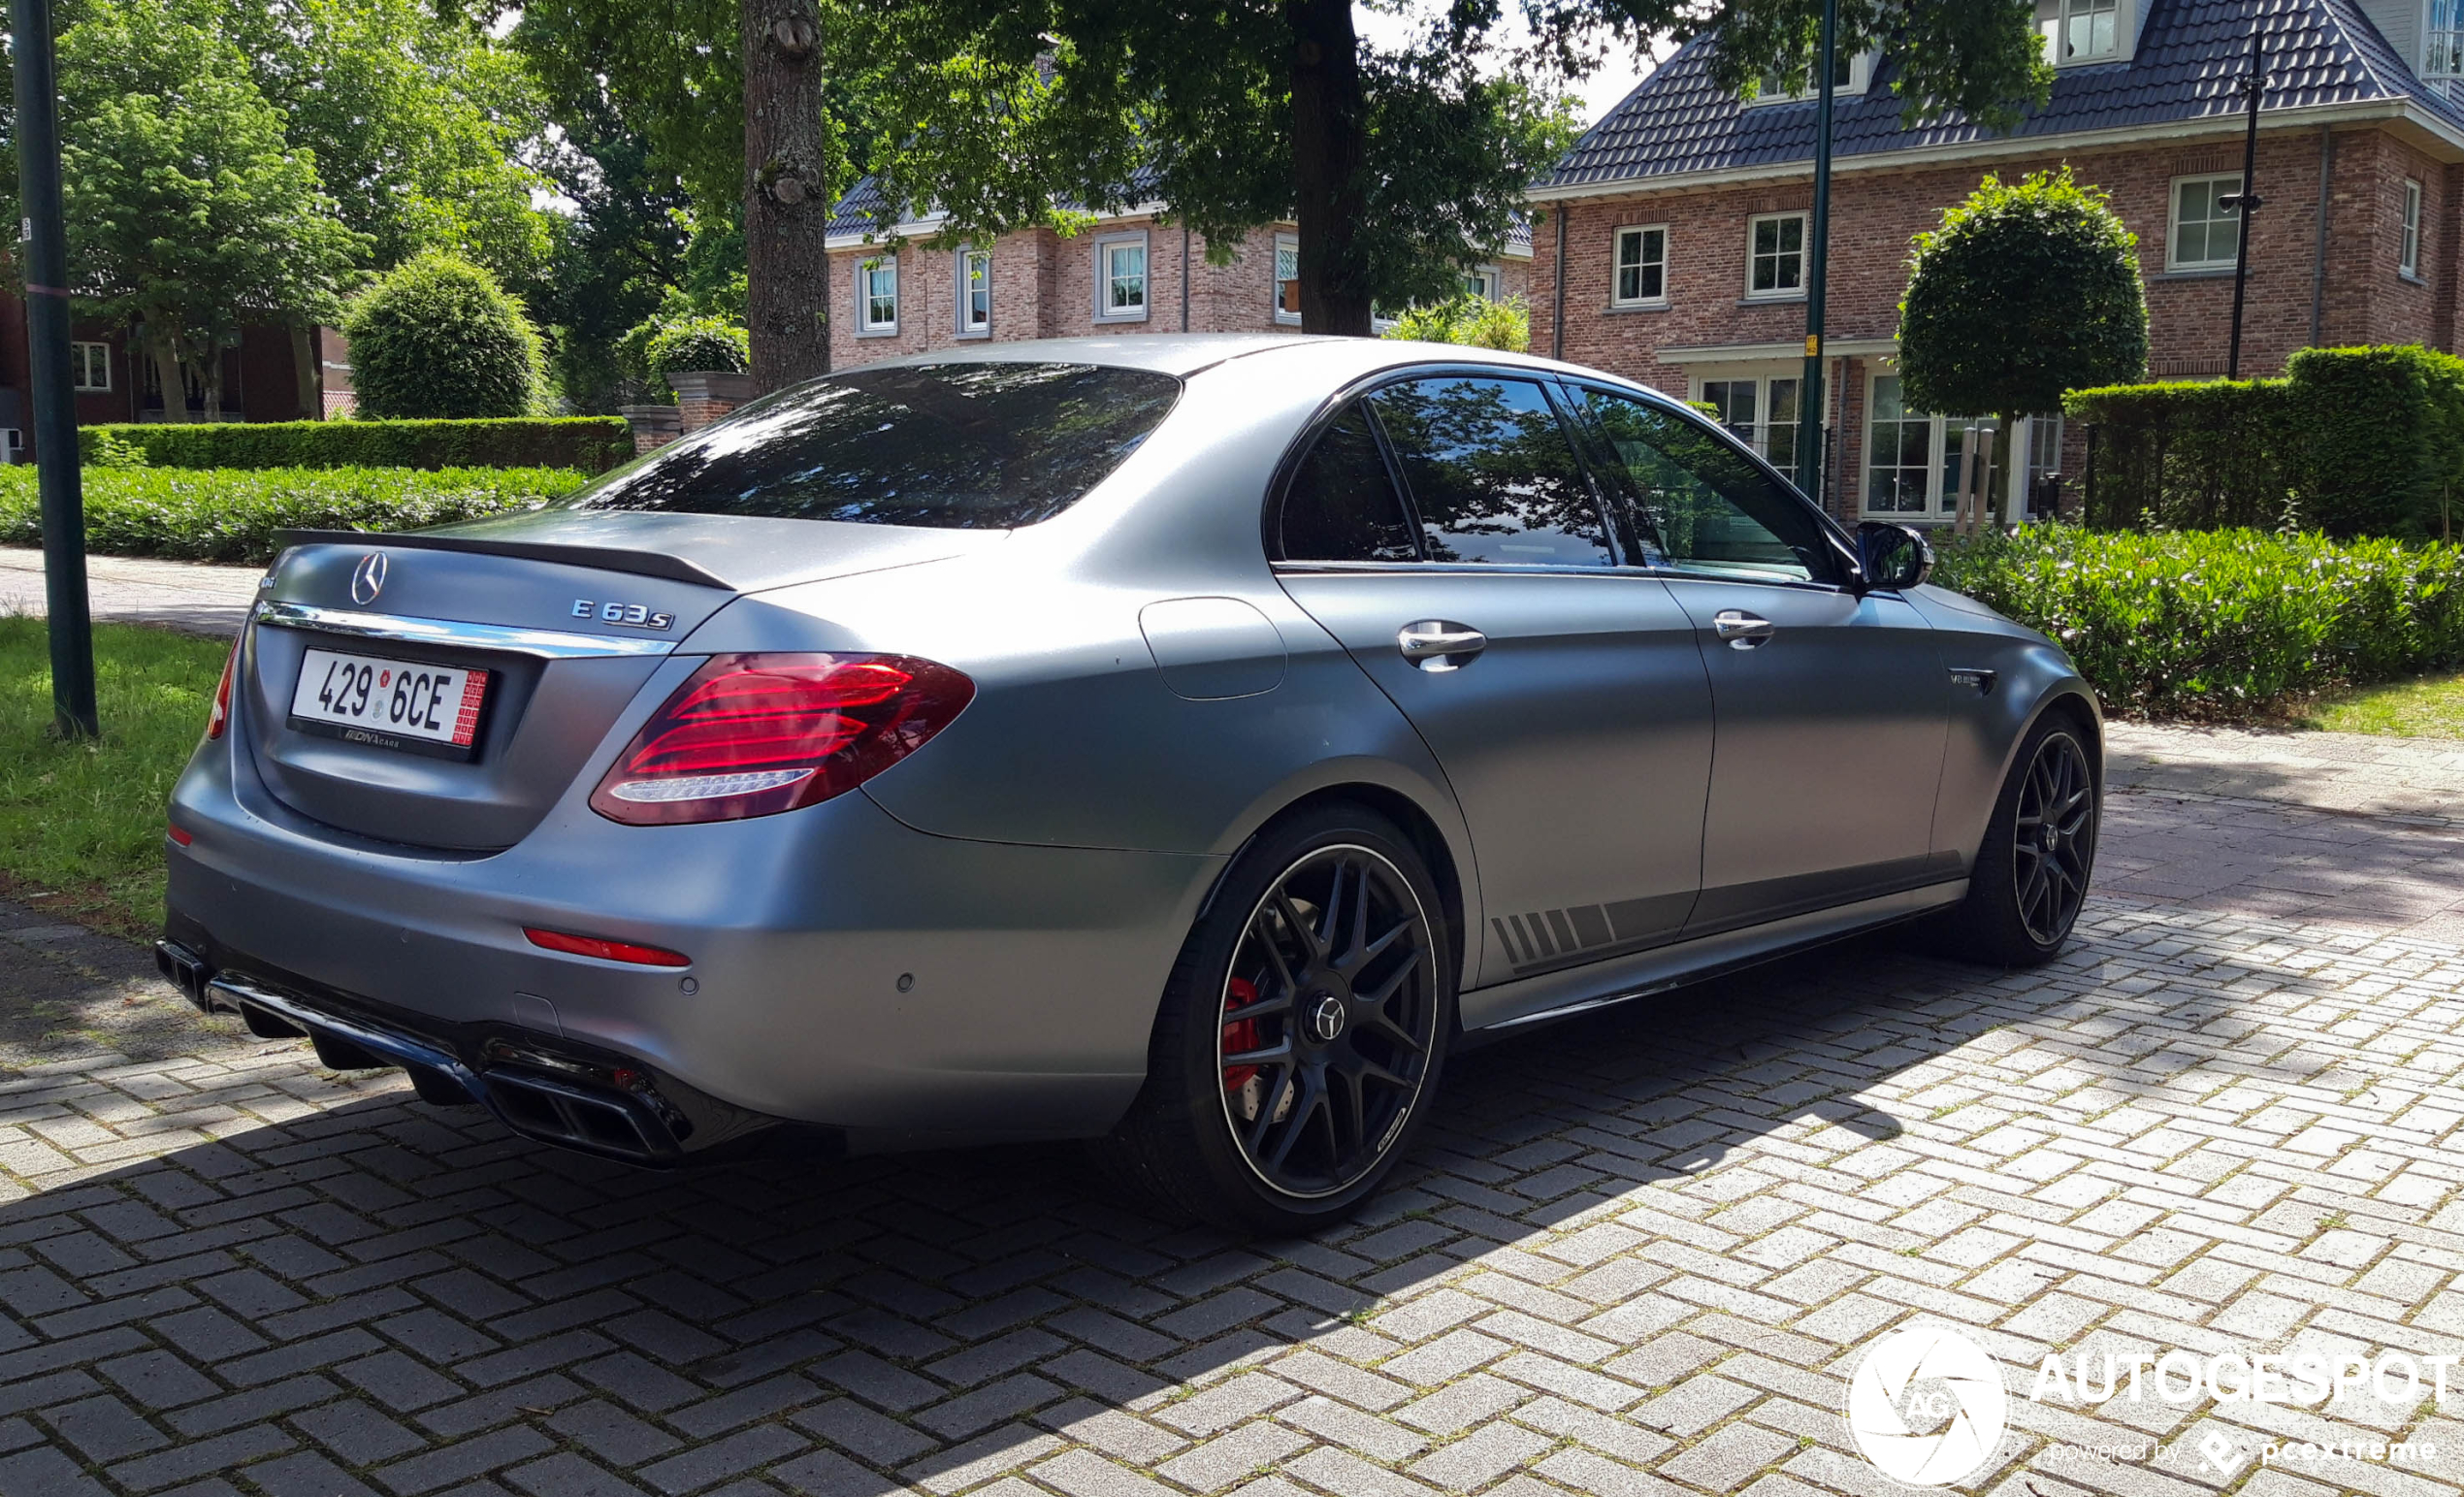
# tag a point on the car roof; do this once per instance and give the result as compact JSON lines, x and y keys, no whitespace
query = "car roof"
{"x":1185,"y":354}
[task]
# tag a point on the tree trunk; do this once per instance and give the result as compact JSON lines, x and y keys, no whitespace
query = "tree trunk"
{"x":209,"y":373}
{"x":786,"y":193}
{"x":1330,"y":166}
{"x":306,"y":387}
{"x":169,"y":372}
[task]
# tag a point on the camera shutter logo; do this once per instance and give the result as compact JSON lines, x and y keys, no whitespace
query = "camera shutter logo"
{"x":1915,"y":1379}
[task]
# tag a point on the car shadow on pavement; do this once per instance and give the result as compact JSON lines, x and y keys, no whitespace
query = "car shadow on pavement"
{"x":412,"y":1293}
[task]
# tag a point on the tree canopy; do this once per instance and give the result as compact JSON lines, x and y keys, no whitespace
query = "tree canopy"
{"x":2026,"y":290}
{"x":188,"y":212}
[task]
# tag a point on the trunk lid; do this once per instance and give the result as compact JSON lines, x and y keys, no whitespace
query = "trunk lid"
{"x":568,"y":614}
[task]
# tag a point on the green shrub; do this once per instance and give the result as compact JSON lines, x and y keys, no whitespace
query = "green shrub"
{"x":1471,"y":320}
{"x":2352,"y":441}
{"x":438,"y":337}
{"x":231,"y":515}
{"x":2222,"y":623}
{"x":696,"y":345}
{"x":590,"y":443}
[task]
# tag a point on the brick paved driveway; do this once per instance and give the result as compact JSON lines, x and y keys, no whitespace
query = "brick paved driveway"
{"x":1639,"y":1256}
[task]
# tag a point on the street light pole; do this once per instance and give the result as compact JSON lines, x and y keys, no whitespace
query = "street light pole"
{"x":42,"y":240}
{"x":1809,"y":391}
{"x":2246,"y":201}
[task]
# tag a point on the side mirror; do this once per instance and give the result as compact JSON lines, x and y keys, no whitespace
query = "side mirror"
{"x":1894,"y":557}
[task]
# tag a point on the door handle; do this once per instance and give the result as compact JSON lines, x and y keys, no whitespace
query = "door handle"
{"x":1742,"y":631}
{"x":1436,"y":644}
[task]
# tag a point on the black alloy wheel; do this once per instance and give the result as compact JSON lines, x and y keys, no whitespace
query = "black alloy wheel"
{"x":2031,"y":876}
{"x":1327,"y":1021}
{"x":2054,"y":839}
{"x":1303,"y":1032}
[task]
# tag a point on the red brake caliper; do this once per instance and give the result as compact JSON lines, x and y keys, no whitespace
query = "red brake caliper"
{"x":1240,"y":1034}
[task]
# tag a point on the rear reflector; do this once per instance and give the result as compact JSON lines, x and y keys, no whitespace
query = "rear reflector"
{"x":180,"y":836}
{"x":606,"y":950}
{"x":219,"y":717}
{"x":755,"y":734}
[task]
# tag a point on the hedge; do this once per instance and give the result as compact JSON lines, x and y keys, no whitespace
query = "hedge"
{"x":2220,"y":623}
{"x":231,"y":515}
{"x":587,"y":443}
{"x":2352,"y":441}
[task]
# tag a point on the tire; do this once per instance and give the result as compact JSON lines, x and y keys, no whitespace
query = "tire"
{"x":2032,"y":870}
{"x":1311,"y":1124}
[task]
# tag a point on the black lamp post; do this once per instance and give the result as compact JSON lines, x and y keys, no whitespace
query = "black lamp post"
{"x":42,"y":245}
{"x":2246,"y":201}
{"x":1810,"y":396}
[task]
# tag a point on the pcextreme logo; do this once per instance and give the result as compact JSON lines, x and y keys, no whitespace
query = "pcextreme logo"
{"x":1926,"y":1406}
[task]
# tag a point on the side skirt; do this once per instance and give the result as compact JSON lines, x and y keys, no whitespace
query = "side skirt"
{"x":1511,"y":1007}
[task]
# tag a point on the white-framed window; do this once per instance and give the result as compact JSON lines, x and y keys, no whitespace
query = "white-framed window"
{"x":1120,"y":277}
{"x":1849,"y":75}
{"x":12,"y":444}
{"x":1763,"y":410}
{"x":1487,"y":282}
{"x":1912,"y":457}
{"x":877,"y":295}
{"x":2205,"y":232}
{"x":1287,"y":278}
{"x":2409,"y":253}
{"x":2079,"y":31}
{"x":90,"y":366}
{"x":1641,"y":273}
{"x":2442,"y":41}
{"x":1775,"y":256}
{"x":975,"y":292}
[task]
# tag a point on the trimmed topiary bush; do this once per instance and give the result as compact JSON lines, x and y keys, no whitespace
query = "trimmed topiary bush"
{"x":698,"y":344}
{"x":2222,"y":623}
{"x":225,"y":515}
{"x":437,"y":337}
{"x":591,"y":443}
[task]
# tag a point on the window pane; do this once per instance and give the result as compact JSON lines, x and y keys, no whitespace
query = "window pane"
{"x":1127,"y":273}
{"x":1492,"y":473}
{"x":1341,"y":506}
{"x":1791,"y":235}
{"x":1711,"y":508}
{"x":952,"y":447}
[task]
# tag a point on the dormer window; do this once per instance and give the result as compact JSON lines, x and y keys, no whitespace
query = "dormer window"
{"x":2087,"y":30}
{"x":1848,"y":75}
{"x":2443,"y":51}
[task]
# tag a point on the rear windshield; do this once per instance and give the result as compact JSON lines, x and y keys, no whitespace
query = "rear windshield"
{"x":950,"y":446}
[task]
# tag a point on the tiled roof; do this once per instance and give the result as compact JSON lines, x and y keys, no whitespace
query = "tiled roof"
{"x":865,"y":209}
{"x":2191,"y":55}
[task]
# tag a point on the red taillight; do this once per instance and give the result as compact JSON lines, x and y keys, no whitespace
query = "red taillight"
{"x":753,"y":734}
{"x":608,"y":951}
{"x":181,"y":835}
{"x":220,"y":717}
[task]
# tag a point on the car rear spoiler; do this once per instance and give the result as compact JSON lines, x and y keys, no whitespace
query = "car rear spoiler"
{"x":640,"y":564}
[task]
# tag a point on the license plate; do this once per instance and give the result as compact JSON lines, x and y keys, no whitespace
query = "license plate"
{"x":411,"y":705}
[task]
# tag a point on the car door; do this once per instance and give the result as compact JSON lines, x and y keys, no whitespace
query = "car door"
{"x":1832,"y":704}
{"x":1561,"y":691}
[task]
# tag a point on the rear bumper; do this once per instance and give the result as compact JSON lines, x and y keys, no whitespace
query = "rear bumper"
{"x":847,"y":971}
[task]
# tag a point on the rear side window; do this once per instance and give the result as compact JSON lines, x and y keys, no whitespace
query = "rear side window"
{"x":1342,"y":505}
{"x":1492,"y":473}
{"x":948,"y":447}
{"x":1708,"y":506}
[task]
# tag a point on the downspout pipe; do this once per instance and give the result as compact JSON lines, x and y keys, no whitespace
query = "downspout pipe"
{"x":1557,"y":313}
{"x":2319,"y":252}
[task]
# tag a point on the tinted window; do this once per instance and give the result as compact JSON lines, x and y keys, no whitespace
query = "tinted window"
{"x":1708,"y":506}
{"x":952,"y":447}
{"x":1492,"y":473}
{"x":1341,"y":506}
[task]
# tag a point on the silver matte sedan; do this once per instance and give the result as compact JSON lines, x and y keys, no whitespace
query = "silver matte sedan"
{"x":1181,"y":742}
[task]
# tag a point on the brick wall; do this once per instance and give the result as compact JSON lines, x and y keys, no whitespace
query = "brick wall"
{"x":1043,"y":286}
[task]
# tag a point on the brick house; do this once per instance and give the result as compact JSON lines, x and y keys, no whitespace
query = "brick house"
{"x":260,"y":378}
{"x":891,"y":294}
{"x":1671,"y":250}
